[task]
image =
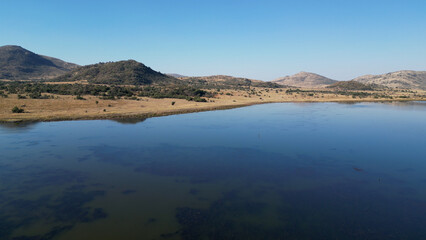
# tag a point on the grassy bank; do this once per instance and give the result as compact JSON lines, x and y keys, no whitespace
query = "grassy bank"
{"x":68,"y":107}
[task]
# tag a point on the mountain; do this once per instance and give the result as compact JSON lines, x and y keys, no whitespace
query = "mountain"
{"x":305,"y":80}
{"x":223,"y":81}
{"x":17,"y":63}
{"x":128,"y":72}
{"x":400,"y":79}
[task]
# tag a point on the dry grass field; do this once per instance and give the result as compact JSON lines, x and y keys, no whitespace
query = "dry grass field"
{"x":66,"y":107}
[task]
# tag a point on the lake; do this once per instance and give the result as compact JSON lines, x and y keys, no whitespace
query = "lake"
{"x":272,"y":171}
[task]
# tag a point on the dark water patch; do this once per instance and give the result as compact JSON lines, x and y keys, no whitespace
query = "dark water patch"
{"x":348,"y":211}
{"x":408,"y":191}
{"x":207,"y":164}
{"x":77,"y":187}
{"x":358,"y":169}
{"x":128,"y":191}
{"x":231,"y":217}
{"x":151,"y":221}
{"x":193,"y":191}
{"x":70,"y":207}
{"x":49,"y":177}
{"x":406,"y":170}
{"x":341,"y":211}
{"x":64,"y":212}
{"x":200,"y":164}
{"x":169,"y":235}
{"x":306,"y":172}
{"x":32,"y":178}
{"x":119,"y":156}
{"x":22,"y":206}
{"x":84,"y":158}
{"x":54,"y":232}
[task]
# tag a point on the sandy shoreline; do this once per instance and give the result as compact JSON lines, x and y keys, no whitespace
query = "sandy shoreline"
{"x":65,"y":108}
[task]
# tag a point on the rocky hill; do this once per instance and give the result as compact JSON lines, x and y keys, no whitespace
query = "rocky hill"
{"x":305,"y":80}
{"x":128,"y":72}
{"x":17,"y":63}
{"x":400,"y":79}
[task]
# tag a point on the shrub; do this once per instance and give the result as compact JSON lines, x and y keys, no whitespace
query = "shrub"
{"x":3,"y":94}
{"x":17,"y":110}
{"x":173,"y":103}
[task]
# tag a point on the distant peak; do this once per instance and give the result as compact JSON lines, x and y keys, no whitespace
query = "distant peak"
{"x":12,"y":47}
{"x":306,"y":73}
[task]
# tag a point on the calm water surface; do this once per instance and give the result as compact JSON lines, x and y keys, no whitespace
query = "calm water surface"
{"x":274,"y":171}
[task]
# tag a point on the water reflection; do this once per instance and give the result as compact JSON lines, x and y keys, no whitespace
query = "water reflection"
{"x":17,"y":126}
{"x":129,"y":120}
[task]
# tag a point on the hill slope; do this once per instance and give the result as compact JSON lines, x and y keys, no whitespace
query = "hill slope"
{"x":17,"y":63}
{"x":223,"y":81}
{"x":128,"y":72}
{"x":175,"y":75}
{"x":400,"y":79}
{"x":306,"y":80}
{"x":354,"y":85}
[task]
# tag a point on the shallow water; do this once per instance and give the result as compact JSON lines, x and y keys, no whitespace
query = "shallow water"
{"x":273,"y":171}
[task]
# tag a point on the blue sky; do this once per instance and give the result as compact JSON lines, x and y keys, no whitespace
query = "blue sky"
{"x":256,"y":39}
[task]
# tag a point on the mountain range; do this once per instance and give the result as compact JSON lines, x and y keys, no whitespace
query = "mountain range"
{"x":17,"y":63}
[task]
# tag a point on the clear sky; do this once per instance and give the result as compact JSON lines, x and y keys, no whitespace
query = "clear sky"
{"x":263,"y":39}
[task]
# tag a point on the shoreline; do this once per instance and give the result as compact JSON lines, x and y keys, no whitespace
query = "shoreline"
{"x":146,"y":115}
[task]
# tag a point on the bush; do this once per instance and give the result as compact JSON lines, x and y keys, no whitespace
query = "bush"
{"x":173,"y":103}
{"x":17,"y":110}
{"x":198,"y":99}
{"x":2,"y":94}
